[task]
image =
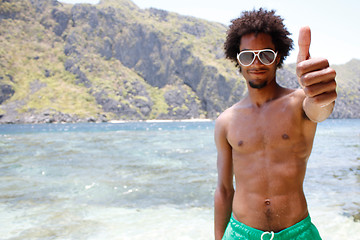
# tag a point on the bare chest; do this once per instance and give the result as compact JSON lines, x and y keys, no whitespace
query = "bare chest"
{"x":273,"y":129}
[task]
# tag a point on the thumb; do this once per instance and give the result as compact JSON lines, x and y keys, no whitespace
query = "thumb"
{"x":304,"y":44}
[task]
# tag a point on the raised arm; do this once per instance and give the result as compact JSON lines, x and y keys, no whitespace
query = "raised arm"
{"x":317,"y":80}
{"x":224,"y":191}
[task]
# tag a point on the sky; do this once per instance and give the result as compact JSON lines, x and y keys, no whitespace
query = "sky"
{"x":334,"y":23}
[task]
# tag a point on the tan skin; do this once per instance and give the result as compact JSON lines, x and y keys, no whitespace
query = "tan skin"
{"x":266,"y":139}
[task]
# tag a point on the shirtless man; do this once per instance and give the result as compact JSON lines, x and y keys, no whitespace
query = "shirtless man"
{"x":265,"y":139}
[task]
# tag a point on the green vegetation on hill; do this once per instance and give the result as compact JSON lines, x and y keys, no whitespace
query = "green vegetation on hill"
{"x":68,"y":63}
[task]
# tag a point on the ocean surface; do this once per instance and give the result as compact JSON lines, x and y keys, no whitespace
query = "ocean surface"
{"x":150,"y":180}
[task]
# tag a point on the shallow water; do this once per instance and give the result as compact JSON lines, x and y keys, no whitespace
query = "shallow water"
{"x":149,"y":180}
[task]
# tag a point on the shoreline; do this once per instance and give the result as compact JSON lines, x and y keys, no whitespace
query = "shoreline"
{"x":110,"y":121}
{"x":162,"y":120}
{"x":114,"y":121}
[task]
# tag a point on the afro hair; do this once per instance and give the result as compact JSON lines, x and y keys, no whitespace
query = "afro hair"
{"x":258,"y":21}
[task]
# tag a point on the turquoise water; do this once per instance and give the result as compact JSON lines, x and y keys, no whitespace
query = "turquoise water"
{"x":142,"y":180}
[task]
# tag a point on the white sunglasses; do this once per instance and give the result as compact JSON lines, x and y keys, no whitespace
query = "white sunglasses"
{"x":266,"y":57}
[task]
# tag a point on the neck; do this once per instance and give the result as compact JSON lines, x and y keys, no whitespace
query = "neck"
{"x":259,"y":97}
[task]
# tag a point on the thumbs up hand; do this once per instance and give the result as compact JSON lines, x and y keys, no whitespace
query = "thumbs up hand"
{"x":317,"y":80}
{"x":304,"y":44}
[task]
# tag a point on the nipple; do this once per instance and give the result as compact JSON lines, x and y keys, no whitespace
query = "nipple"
{"x":240,"y":143}
{"x":285,"y":136}
{"x":267,"y":202}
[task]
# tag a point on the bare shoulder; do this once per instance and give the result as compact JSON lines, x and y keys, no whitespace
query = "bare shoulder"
{"x":222,"y":119}
{"x":227,"y":115}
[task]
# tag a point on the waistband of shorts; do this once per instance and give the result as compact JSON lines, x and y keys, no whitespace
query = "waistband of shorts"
{"x":288,"y":233}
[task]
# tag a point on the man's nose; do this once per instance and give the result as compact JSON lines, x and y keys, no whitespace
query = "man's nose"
{"x":257,"y":61}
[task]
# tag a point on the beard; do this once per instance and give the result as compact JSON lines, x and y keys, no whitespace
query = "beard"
{"x":257,"y":86}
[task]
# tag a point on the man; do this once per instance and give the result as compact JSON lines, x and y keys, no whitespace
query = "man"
{"x":265,"y":139}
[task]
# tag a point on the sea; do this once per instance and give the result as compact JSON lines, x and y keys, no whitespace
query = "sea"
{"x":150,"y":180}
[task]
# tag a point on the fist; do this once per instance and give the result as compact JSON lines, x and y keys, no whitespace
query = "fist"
{"x":314,"y":74}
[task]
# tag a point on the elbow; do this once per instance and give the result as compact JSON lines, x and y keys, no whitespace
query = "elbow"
{"x":224,"y":193}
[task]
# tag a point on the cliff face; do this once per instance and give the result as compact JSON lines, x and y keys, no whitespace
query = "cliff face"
{"x":113,"y":60}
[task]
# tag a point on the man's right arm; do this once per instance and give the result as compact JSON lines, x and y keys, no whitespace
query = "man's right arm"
{"x":317,"y":79}
{"x":224,"y":191}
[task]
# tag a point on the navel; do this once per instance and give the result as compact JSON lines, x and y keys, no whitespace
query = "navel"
{"x":267,"y":202}
{"x":285,"y":136}
{"x":240,"y":143}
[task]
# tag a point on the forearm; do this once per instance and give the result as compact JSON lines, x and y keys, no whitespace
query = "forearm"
{"x":317,"y":112}
{"x":223,"y":208}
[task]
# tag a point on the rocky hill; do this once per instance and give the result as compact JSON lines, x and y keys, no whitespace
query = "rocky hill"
{"x":115,"y":61}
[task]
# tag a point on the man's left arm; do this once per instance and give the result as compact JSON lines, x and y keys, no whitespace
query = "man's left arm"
{"x":317,"y":80}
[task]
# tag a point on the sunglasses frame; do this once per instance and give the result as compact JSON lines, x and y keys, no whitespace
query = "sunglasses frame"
{"x":256,"y":54}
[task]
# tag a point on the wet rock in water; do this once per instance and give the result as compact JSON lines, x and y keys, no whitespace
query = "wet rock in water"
{"x":357,"y":217}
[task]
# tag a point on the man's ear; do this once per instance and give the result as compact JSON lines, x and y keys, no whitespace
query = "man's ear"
{"x":278,"y":58}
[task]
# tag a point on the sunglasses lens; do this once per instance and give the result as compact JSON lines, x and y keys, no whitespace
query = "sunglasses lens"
{"x":267,"y":57}
{"x":246,"y":58}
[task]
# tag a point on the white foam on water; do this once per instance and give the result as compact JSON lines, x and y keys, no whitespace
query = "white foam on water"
{"x":165,"y":223}
{"x":66,"y":221}
{"x":154,"y":223}
{"x":332,"y":225}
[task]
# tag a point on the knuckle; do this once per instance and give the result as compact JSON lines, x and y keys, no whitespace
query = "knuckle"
{"x":324,"y":62}
{"x":332,"y":72}
{"x":300,"y":68}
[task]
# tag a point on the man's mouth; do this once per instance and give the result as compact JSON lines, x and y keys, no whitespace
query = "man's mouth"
{"x":257,"y":71}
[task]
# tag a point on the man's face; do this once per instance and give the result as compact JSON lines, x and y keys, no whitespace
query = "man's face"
{"x":257,"y":74}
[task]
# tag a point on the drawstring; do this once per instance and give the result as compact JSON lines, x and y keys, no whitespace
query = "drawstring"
{"x":264,"y":233}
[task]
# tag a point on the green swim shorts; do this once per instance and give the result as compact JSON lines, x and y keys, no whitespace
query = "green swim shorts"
{"x":303,"y":230}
